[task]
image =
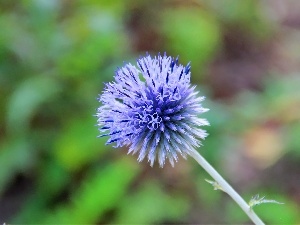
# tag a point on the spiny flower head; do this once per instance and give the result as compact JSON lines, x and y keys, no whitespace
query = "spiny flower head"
{"x":153,"y":109}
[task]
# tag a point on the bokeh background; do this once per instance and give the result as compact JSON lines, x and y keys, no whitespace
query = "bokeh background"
{"x":55,"y":56}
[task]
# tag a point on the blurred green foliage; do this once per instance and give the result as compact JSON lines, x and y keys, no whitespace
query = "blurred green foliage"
{"x":198,"y":27}
{"x":55,"y":56}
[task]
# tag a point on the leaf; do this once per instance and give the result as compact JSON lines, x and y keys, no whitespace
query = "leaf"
{"x":215,"y":184}
{"x":255,"y":200}
{"x":78,"y":144}
{"x":141,"y":207}
{"x":26,"y":100}
{"x":102,"y":191}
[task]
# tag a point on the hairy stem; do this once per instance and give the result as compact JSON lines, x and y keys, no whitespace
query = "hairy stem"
{"x":226,"y":187}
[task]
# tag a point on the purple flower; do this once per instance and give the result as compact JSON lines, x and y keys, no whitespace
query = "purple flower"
{"x":153,"y":109}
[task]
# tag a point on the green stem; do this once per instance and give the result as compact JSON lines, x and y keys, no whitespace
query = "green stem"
{"x":226,"y":187}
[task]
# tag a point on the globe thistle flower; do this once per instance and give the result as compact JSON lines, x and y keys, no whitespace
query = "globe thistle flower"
{"x":153,"y":109}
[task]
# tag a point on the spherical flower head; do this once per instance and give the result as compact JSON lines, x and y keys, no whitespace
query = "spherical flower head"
{"x":153,"y":109}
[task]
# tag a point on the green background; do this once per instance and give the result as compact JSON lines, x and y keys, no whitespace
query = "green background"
{"x":55,"y":56}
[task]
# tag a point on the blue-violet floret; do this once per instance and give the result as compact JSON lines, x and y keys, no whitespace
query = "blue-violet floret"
{"x":153,"y":109}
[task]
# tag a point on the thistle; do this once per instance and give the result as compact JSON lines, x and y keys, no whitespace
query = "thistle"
{"x":154,"y":109}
